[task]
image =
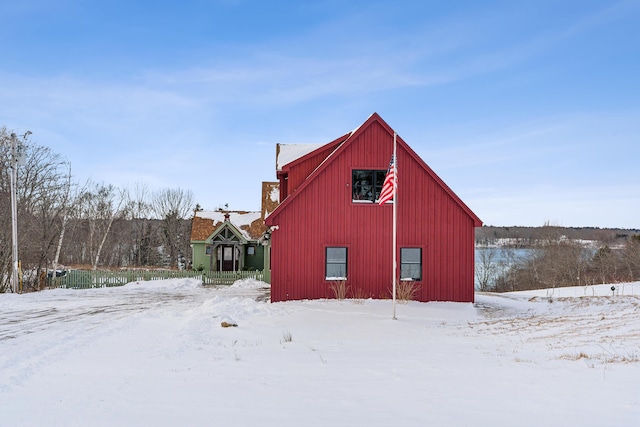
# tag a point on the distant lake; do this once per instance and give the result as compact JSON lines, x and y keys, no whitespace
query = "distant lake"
{"x":504,"y":254}
{"x":503,"y":257}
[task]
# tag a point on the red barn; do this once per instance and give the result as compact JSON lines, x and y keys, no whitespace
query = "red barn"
{"x":329,"y":226}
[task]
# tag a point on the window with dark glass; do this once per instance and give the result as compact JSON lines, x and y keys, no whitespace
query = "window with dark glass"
{"x":335,"y":263}
{"x":367,"y":184}
{"x":410,"y":264}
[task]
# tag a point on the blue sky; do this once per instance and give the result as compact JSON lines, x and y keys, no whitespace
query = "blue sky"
{"x":530,"y":111}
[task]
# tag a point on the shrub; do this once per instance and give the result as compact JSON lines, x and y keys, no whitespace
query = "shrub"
{"x":406,"y":290}
{"x":359,"y":296}
{"x":340,"y":289}
{"x":287,"y":337}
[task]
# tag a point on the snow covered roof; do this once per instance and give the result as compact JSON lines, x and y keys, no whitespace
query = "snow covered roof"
{"x":250,"y":224}
{"x":287,"y":153}
{"x":238,"y":218}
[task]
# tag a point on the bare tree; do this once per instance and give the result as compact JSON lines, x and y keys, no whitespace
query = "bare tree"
{"x":486,"y":268}
{"x":141,"y":228}
{"x":42,"y":201}
{"x":554,"y":261}
{"x":100,"y":205}
{"x":172,"y":207}
{"x":71,"y":197}
{"x":631,"y":258}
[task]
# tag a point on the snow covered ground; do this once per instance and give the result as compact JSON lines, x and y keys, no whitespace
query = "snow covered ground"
{"x":154,"y":354}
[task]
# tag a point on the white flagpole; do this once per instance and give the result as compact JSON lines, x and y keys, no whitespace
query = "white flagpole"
{"x":395,"y":220}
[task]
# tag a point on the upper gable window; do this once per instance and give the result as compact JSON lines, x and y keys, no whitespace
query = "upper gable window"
{"x":367,"y":185}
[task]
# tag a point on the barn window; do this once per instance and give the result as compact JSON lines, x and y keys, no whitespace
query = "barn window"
{"x":411,"y":264}
{"x":335,"y":263}
{"x":367,"y":184}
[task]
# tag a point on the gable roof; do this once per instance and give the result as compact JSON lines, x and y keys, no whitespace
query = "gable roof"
{"x":328,"y":148}
{"x":294,"y":173}
{"x":206,"y":223}
{"x":287,"y":153}
{"x":221,"y":234}
{"x":340,"y":144}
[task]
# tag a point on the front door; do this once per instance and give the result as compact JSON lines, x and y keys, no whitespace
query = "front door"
{"x":228,"y":260}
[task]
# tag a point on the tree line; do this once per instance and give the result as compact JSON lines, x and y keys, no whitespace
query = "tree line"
{"x":554,"y":260}
{"x":528,"y":237}
{"x":63,"y":222}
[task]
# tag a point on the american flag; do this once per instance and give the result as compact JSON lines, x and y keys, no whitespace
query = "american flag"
{"x":389,"y":185}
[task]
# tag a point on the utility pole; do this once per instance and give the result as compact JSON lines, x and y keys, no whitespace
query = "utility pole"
{"x":14,"y":209}
{"x":14,"y":213}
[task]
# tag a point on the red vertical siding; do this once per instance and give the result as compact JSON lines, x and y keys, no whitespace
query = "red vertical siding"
{"x":298,"y":170}
{"x":323,"y":214}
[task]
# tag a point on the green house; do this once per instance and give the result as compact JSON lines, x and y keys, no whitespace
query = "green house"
{"x":227,"y":240}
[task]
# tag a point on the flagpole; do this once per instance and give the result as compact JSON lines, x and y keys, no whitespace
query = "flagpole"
{"x":395,"y":221}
